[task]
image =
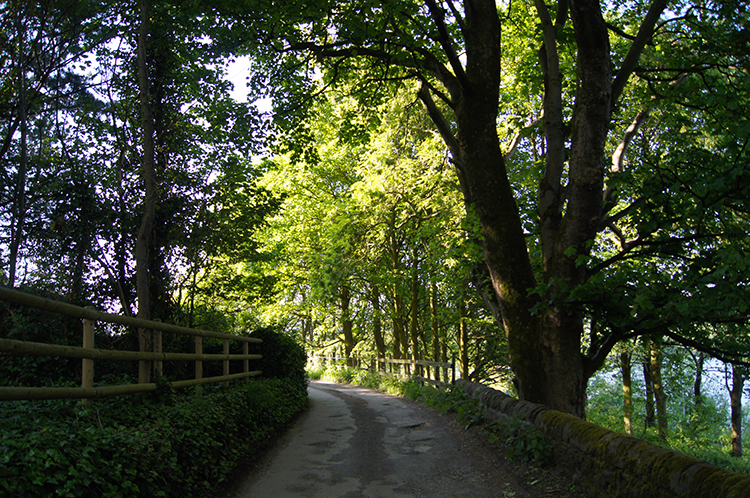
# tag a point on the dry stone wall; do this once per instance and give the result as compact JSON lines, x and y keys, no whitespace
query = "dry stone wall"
{"x":610,"y":464}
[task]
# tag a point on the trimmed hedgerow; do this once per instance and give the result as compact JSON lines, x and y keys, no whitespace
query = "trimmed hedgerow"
{"x":161,"y":445}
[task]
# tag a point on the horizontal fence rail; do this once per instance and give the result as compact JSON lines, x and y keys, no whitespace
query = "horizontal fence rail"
{"x":378,"y":364}
{"x":41,"y":349}
{"x":40,"y":303}
{"x":40,"y":393}
{"x":88,"y":353}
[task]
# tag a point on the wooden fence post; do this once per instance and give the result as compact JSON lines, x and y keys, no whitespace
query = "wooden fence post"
{"x":226,"y":362}
{"x":453,"y":367}
{"x":246,"y":363}
{"x":158,"y":364}
{"x":199,"y":363}
{"x":145,"y":339}
{"x":87,"y":374}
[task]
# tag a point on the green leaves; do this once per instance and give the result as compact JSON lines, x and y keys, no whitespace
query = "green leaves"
{"x":128,"y":447}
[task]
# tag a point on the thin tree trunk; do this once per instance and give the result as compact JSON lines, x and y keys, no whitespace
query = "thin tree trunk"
{"x":120,"y":248}
{"x":698,"y":395}
{"x":400,"y":347}
{"x":463,"y":339}
{"x":650,"y":420}
{"x":627,"y":393}
{"x":19,"y":198}
{"x":659,"y":394}
{"x":435,"y":327}
{"x":735,"y":397}
{"x":377,"y":322}
{"x":414,"y":317}
{"x":346,"y":324}
{"x":149,"y":180}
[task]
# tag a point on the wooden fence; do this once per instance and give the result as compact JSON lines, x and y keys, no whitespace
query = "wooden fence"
{"x":413,"y":369}
{"x":89,"y":354}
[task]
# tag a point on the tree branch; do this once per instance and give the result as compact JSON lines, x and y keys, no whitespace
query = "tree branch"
{"x":593,"y":362}
{"x":719,"y":354}
{"x":522,"y":133}
{"x":550,"y":191}
{"x":438,"y":16}
{"x":645,"y":32}
{"x":437,"y":117}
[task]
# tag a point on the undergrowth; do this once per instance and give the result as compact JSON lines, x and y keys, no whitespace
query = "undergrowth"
{"x":158,"y":445}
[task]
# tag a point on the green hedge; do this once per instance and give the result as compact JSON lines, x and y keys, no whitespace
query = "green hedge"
{"x":283,"y":357}
{"x":161,"y":445}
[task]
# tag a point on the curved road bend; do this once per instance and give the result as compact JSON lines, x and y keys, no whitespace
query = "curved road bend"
{"x":355,"y":442}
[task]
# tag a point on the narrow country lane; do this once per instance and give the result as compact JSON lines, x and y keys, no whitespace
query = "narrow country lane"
{"x":355,"y":442}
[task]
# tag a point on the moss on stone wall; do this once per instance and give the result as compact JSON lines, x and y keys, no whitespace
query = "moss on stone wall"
{"x":609,"y":464}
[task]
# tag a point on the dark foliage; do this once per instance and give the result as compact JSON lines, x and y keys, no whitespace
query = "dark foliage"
{"x":164,"y":445}
{"x":283,"y":357}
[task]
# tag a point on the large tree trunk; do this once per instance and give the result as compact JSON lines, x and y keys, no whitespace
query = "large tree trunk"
{"x":545,"y":347}
{"x":735,"y":397}
{"x":149,"y":180}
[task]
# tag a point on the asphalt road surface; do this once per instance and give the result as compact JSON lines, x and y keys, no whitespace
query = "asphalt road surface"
{"x":355,"y":442}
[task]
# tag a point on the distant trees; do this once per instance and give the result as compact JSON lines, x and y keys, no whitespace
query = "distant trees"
{"x":374,"y":247}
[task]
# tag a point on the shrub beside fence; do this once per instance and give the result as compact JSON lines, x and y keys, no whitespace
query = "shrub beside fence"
{"x":89,"y":354}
